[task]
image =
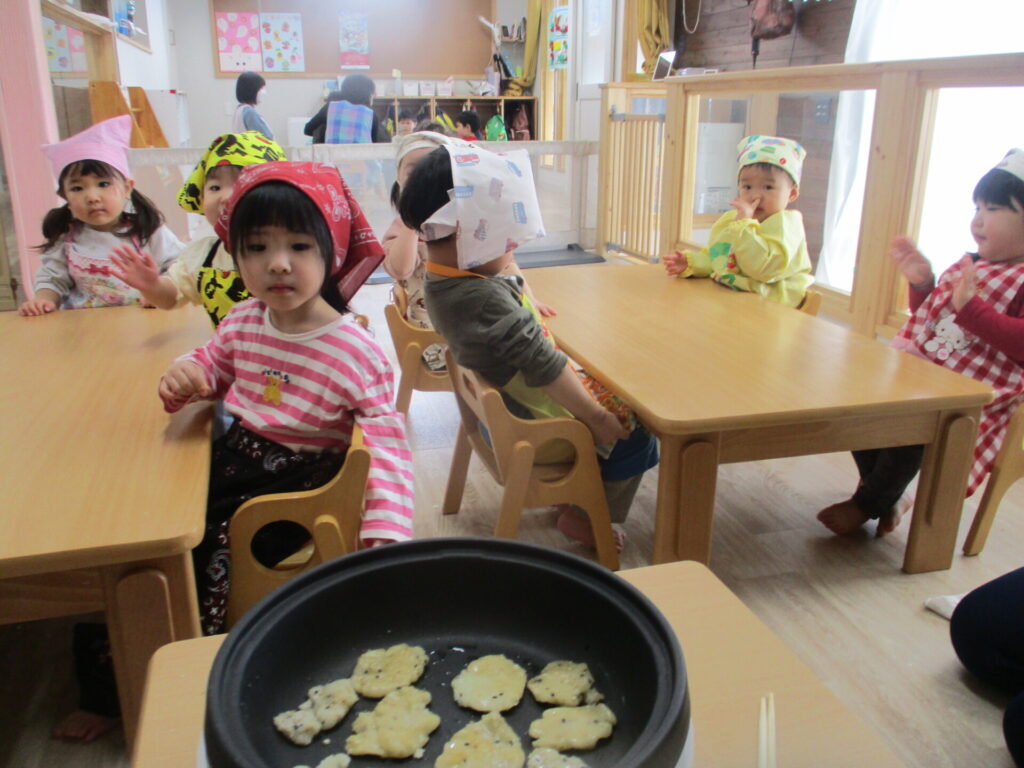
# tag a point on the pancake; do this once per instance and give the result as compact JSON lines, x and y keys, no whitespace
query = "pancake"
{"x":399,"y":726}
{"x":566,"y":684}
{"x":572,"y":727}
{"x":380,"y":671}
{"x":490,"y":684}
{"x":487,"y":743}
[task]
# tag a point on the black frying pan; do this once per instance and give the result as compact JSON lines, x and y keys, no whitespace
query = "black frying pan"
{"x":459,"y":599}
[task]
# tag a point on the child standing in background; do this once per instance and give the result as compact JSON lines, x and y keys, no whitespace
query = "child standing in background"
{"x":971,"y":321}
{"x":294,"y":371}
{"x":204,"y":272}
{"x":103,"y":211}
{"x":473,"y":208}
{"x":467,"y":126}
{"x":759,"y":246}
{"x":406,"y":123}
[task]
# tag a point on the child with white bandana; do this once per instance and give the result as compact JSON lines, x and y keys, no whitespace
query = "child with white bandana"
{"x":970,"y":320}
{"x":760,"y":246}
{"x":473,"y":208}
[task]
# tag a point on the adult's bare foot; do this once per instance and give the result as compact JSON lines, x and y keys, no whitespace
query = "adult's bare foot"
{"x":578,"y":528}
{"x":84,"y":726}
{"x":842,"y":518}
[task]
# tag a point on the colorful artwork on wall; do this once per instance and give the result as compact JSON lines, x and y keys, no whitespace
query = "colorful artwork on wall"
{"x":354,"y":41}
{"x":238,"y":41}
{"x":281,"y":36}
{"x":65,"y":48}
{"x":558,"y":38}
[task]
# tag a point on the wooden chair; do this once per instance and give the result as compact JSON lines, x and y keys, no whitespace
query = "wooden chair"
{"x":1007,"y":470}
{"x":811,"y":303}
{"x":410,"y":342}
{"x":331,"y":513}
{"x":509,"y":456}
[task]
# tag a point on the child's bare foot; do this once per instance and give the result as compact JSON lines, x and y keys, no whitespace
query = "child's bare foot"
{"x":887,"y":523}
{"x":842,"y":518}
{"x":578,"y":528}
{"x":84,"y":726}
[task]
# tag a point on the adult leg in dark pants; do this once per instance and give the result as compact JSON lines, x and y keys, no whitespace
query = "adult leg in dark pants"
{"x":987,"y":630}
{"x":885,"y":474}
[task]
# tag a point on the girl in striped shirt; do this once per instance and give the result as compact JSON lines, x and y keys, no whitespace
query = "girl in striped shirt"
{"x":293,"y":369}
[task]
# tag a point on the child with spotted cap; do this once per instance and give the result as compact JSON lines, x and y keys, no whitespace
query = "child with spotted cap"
{"x":759,"y":246}
{"x":204,"y":272}
{"x":970,"y":320}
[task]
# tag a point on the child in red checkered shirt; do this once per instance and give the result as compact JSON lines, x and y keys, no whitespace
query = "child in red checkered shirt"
{"x":972,"y":321}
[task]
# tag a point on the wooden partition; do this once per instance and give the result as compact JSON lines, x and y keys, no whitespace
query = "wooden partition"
{"x":906,"y":94}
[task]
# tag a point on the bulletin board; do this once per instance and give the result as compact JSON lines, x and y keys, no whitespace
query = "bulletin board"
{"x":422,"y":38}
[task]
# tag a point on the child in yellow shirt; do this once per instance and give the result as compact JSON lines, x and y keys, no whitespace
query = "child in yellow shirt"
{"x":760,"y":246}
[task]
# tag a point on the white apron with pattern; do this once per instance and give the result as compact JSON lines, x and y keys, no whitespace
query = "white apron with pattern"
{"x":932,"y":333}
{"x":95,"y":283}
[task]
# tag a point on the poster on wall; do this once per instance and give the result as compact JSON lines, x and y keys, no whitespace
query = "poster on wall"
{"x":354,"y":41}
{"x":558,"y":37}
{"x":281,"y":35}
{"x":238,"y":41}
{"x":65,"y":48}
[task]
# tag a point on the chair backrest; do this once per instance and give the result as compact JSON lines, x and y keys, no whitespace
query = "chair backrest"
{"x":410,"y":342}
{"x":480,"y":403}
{"x":811,"y":303}
{"x":332,"y":514}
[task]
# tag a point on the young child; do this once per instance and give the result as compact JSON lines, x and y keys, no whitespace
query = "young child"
{"x":103,"y":211}
{"x":473,"y":208}
{"x":296,"y":374}
{"x":406,"y":123}
{"x":760,"y":246}
{"x":405,"y":253}
{"x":467,"y":126}
{"x":204,"y":272}
{"x":971,"y":321}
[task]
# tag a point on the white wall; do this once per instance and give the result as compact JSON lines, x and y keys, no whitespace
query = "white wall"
{"x":211,"y":100}
{"x":154,"y":70}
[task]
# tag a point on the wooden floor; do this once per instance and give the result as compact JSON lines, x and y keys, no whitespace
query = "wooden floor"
{"x":842,"y":604}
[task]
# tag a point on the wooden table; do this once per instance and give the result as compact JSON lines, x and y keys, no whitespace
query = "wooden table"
{"x":721,"y":376}
{"x":103,"y":494}
{"x":732,"y":659}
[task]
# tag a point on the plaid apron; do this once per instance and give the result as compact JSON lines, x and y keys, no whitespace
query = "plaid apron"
{"x":348,"y":124}
{"x":932,"y":333}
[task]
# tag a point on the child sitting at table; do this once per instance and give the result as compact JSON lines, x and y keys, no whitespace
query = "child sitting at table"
{"x":204,"y":272}
{"x":103,"y":211}
{"x":972,"y":321}
{"x":294,"y":371}
{"x":474,"y":208}
{"x":760,"y":246}
{"x":405,"y":253}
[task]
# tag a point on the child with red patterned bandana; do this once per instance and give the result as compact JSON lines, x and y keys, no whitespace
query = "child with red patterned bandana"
{"x":971,"y":321}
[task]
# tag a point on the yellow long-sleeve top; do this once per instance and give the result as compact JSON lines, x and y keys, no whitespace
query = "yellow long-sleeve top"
{"x":769,"y":257}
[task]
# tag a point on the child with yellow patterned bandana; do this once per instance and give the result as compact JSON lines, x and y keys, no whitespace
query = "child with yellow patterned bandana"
{"x":760,"y":246}
{"x":204,"y":272}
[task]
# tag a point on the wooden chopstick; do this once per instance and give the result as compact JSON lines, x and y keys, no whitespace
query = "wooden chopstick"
{"x":766,"y":752}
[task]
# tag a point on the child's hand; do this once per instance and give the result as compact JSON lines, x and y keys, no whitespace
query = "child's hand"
{"x":605,"y":427}
{"x":136,"y":268}
{"x":35,"y":307}
{"x":911,"y":262}
{"x":545,"y":310}
{"x":675,"y":263}
{"x":745,"y":210}
{"x":966,"y":286}
{"x":182,"y":382}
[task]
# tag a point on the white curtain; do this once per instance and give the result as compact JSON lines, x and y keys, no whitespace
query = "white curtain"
{"x":974,"y":128}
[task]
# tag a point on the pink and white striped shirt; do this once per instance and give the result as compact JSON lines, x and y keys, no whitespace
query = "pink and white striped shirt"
{"x":305,"y":391}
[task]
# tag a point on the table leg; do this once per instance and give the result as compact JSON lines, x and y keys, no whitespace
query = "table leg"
{"x":148,"y":605}
{"x":684,"y":518}
{"x":940,"y":496}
